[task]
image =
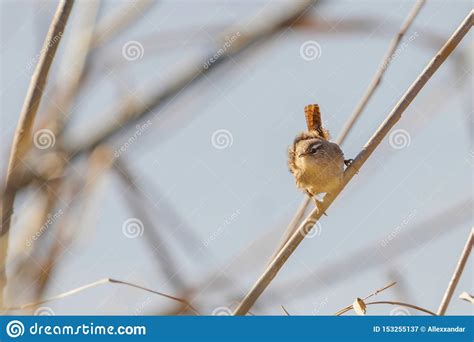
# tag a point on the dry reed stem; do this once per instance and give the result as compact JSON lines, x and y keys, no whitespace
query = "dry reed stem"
{"x":350,"y":265}
{"x":127,"y":111}
{"x":457,"y":275}
{"x":411,"y":306}
{"x":118,"y":21}
{"x":94,"y":284}
{"x":367,"y":150}
{"x":22,"y":137}
{"x":369,"y":92}
{"x":349,"y":307}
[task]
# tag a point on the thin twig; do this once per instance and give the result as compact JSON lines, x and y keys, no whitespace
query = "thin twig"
{"x":349,"y":307}
{"x":286,"y":312}
{"x":376,"y":80}
{"x":22,"y":138}
{"x":411,"y":306}
{"x":457,"y":274}
{"x":367,"y":150}
{"x":94,"y":284}
{"x":129,"y":110}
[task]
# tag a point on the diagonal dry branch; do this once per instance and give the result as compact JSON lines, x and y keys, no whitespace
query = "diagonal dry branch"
{"x":97,"y":283}
{"x":22,"y":138}
{"x":395,"y":115}
{"x":129,"y":109}
{"x":457,"y":274}
{"x":369,"y":92}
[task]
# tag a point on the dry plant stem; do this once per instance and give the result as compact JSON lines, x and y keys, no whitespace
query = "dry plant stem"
{"x":129,"y":110}
{"x":411,"y":306}
{"x":157,"y":244}
{"x":22,"y":138}
{"x":94,"y":284}
{"x":286,"y":312}
{"x":376,"y":80}
{"x":457,"y":274}
{"x":349,"y":307}
{"x":358,"y":162}
{"x":119,"y":20}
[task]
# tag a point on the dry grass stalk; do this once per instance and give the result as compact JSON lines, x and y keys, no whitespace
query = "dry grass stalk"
{"x":367,"y":150}
{"x":129,"y":109}
{"x":94,"y":284}
{"x":376,"y":80}
{"x":22,"y":137}
{"x":411,"y":306}
{"x":457,"y":275}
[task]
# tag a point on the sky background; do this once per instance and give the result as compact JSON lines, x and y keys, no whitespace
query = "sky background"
{"x":404,"y":217}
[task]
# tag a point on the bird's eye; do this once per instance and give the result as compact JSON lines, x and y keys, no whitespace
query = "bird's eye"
{"x":314,"y":148}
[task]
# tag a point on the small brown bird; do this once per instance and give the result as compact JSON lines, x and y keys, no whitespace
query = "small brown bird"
{"x":316,"y":163}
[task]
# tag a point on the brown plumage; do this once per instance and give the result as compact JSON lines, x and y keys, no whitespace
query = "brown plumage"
{"x":316,"y":163}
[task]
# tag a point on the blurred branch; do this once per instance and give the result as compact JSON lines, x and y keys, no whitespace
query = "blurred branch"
{"x":127,"y":111}
{"x":457,"y":274}
{"x":358,"y":162}
{"x":376,"y":80}
{"x":353,"y":263}
{"x":22,"y":138}
{"x":119,"y":20}
{"x":94,"y":284}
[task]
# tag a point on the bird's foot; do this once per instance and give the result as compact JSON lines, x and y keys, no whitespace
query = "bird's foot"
{"x":348,"y":162}
{"x":317,"y":204}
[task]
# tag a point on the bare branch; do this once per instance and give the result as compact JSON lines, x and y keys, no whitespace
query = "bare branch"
{"x":94,"y":284}
{"x":377,"y":78}
{"x":367,"y":150}
{"x":22,"y":138}
{"x":457,"y":274}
